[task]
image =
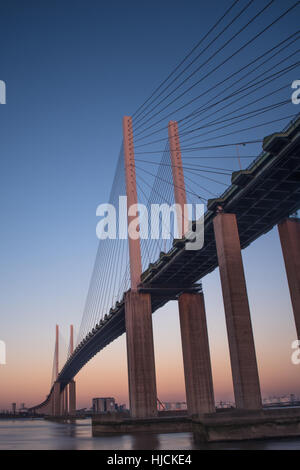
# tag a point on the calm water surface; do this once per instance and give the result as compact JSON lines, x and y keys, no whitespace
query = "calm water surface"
{"x":39,"y":434}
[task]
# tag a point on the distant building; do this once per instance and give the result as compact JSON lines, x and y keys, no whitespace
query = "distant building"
{"x":175,"y":406}
{"x":104,"y":405}
{"x":122,"y":407}
{"x":82,"y":411}
{"x":225,"y":404}
{"x":14,"y":408}
{"x":23,"y":409}
{"x":292,"y":398}
{"x":284,"y":400}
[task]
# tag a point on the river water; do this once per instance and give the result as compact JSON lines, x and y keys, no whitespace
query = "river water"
{"x":26,"y":434}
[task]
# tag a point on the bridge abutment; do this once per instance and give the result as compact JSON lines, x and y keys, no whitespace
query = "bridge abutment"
{"x":196,"y":354}
{"x":238,"y":321}
{"x":140,"y":355}
{"x":289,"y":233}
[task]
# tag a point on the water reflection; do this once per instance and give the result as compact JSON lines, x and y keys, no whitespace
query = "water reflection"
{"x":145,"y":441}
{"x":40,"y":434}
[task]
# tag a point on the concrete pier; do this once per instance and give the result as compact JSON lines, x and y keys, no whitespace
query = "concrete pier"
{"x":62,"y":403}
{"x":227,"y":425}
{"x":289,"y":233}
{"x":56,"y":399}
{"x":239,"y":328}
{"x":196,"y":355}
{"x":240,"y":425}
{"x":72,"y":398}
{"x":140,"y":355}
{"x":66,"y":400}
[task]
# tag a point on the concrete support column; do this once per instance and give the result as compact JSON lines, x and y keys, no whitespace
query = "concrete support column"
{"x":240,"y":336}
{"x":66,"y":406}
{"x":289,"y":233}
{"x":62,"y":403}
{"x":196,"y":355}
{"x":56,"y":399}
{"x":140,"y":355}
{"x":72,"y":398}
{"x":56,"y":351}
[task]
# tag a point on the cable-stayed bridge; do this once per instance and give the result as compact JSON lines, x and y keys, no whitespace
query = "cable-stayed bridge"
{"x":212,"y":133}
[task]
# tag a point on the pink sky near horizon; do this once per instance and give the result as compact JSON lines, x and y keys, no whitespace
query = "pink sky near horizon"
{"x":26,"y":377}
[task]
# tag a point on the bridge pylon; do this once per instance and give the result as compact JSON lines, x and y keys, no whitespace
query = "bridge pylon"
{"x":62,"y":402}
{"x":138,"y":312}
{"x":56,"y":399}
{"x":70,"y":390}
{"x":56,"y":353}
{"x":193,"y":327}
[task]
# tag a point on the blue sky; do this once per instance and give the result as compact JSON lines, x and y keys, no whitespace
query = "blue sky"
{"x":73,"y":69}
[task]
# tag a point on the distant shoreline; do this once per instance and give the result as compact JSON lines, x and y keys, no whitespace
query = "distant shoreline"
{"x":17,"y":416}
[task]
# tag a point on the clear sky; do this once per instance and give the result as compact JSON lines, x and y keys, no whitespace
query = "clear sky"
{"x":72,"y":70}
